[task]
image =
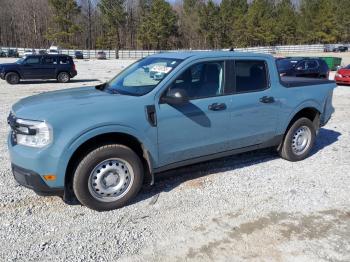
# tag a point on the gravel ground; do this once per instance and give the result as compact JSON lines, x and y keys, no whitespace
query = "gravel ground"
{"x":253,"y":206}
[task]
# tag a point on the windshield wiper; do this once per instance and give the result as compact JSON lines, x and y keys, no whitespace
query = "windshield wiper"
{"x":112,"y":91}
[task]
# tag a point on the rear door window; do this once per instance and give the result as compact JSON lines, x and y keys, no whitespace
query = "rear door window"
{"x":64,"y":60}
{"x":250,"y":76}
{"x":50,"y":60}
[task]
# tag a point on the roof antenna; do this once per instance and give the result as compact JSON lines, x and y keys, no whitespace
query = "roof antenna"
{"x":232,"y":49}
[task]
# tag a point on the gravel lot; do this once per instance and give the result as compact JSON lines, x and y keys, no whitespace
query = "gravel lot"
{"x":253,"y":206}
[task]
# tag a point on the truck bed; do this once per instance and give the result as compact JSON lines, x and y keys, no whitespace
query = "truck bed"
{"x":293,"y":81}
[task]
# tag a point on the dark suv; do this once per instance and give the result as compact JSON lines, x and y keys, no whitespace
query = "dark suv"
{"x":303,"y":67}
{"x":12,"y":53}
{"x":60,"y":67}
{"x":341,"y":49}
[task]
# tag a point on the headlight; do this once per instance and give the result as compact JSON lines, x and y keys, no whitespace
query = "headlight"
{"x":33,"y":133}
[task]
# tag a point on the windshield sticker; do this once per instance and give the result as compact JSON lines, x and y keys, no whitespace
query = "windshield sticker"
{"x":161,"y":69}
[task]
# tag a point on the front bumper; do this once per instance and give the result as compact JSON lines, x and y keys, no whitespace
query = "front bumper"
{"x":34,"y":181}
{"x":41,"y":161}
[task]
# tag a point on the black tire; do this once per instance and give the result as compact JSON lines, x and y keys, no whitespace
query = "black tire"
{"x":288,"y":149}
{"x":12,"y":78}
{"x":84,"y":174}
{"x":63,"y":77}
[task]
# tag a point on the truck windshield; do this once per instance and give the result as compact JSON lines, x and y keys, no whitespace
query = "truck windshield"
{"x":142,"y":76}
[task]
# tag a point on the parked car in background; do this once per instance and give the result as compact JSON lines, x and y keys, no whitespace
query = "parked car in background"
{"x":341,"y":49}
{"x":12,"y":53}
{"x":328,"y":48}
{"x":60,"y":67}
{"x":302,"y":67}
{"x":343,"y":76}
{"x":101,"y":55}
{"x":53,"y":50}
{"x":29,"y":52}
{"x":98,"y":144}
{"x":78,"y":55}
{"x":2,"y":53}
{"x":42,"y":52}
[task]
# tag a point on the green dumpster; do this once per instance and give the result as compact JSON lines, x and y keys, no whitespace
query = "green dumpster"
{"x":332,"y":62}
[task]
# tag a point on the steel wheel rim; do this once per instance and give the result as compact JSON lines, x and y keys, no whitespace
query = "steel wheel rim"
{"x":110,"y":180}
{"x":64,"y":77}
{"x":301,"y":140}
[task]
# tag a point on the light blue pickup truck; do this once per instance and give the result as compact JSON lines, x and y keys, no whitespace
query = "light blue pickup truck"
{"x":100,"y":144}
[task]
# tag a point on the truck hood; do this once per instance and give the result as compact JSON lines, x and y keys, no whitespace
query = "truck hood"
{"x":69,"y":101}
{"x":7,"y":64}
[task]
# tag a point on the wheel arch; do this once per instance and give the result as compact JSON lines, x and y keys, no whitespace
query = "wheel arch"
{"x":13,"y":71}
{"x":103,"y":139}
{"x":310,"y":112}
{"x":62,"y":71}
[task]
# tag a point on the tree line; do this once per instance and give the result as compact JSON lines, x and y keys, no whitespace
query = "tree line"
{"x":181,"y":24}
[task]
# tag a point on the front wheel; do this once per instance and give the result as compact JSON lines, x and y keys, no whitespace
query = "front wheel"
{"x":108,"y":178}
{"x":298,"y":141}
{"x":12,"y":78}
{"x":63,"y":77}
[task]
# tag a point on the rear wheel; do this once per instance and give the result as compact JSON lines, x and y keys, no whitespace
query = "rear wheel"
{"x":108,"y":178}
{"x":63,"y":77}
{"x":12,"y":78}
{"x":298,"y":141}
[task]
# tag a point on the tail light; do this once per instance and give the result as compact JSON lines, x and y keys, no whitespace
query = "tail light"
{"x":75,"y":69}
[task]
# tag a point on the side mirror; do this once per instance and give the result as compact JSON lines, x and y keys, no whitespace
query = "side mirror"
{"x":175,"y":97}
{"x":299,"y":68}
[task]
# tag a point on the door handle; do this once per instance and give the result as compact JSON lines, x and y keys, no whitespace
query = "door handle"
{"x":217,"y":107}
{"x":267,"y":99}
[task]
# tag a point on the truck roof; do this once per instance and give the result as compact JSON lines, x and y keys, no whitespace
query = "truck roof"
{"x":208,"y":54}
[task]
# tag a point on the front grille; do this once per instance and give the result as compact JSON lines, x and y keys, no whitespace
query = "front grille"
{"x":11,"y":120}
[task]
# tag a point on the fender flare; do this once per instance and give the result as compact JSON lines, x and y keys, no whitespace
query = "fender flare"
{"x":85,"y":136}
{"x":13,"y":71}
{"x":306,"y":104}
